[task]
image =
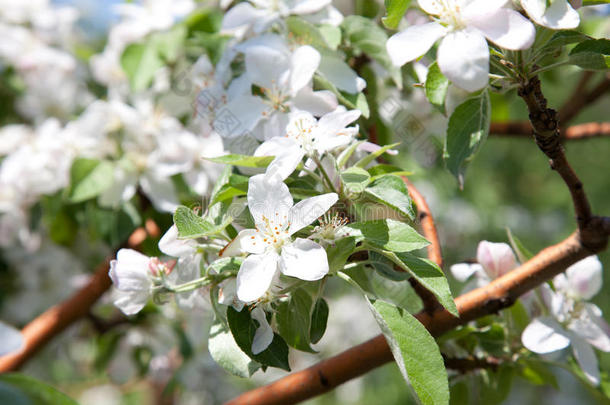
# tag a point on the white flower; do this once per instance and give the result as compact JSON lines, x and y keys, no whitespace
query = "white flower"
{"x":493,"y":261}
{"x":12,"y":339}
{"x":573,"y":321}
{"x":306,"y":136}
{"x":132,"y":274}
{"x":271,"y":245}
{"x":559,"y":15}
{"x":264,"y":334}
{"x":463,"y":55}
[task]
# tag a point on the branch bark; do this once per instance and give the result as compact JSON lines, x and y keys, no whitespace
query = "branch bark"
{"x":580,"y":99}
{"x":576,"y":132}
{"x":56,"y":319}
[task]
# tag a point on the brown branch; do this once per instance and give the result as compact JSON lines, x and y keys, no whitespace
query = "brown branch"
{"x":56,"y":319}
{"x":545,"y":126}
{"x":499,"y":294}
{"x":575,"y":132}
{"x":580,"y":99}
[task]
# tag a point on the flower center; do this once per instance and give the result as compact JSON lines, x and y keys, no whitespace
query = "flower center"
{"x":274,"y":231}
{"x":451,"y":14}
{"x":158,"y":268}
{"x":302,"y":131}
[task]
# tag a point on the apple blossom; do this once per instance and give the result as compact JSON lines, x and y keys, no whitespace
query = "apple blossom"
{"x":270,"y":244}
{"x":572,"y":321}
{"x":463,"y":54}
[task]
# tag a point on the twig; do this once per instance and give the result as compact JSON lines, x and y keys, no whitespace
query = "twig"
{"x":57,"y":318}
{"x":576,"y":132}
{"x":545,"y":125}
{"x":497,"y":295}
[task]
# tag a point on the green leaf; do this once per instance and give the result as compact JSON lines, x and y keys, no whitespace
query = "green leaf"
{"x":467,"y":130}
{"x":226,"y":264}
{"x":593,"y":54}
{"x":385,"y":267}
{"x":347,"y":153}
{"x":395,"y":10}
{"x":383,"y":169}
{"x":169,"y":43}
{"x":243,"y":160}
{"x":365,"y":35}
{"x":392,"y":191}
{"x":339,"y":252}
{"x":387,"y":234}
{"x":38,"y":392}
{"x":436,"y":87}
{"x":207,"y":20}
{"x":191,"y":225}
{"x":89,"y":178}
{"x":319,"y":318}
{"x":307,"y":33}
{"x":243,"y":328}
{"x":236,"y":185}
{"x":227,"y":354}
{"x":368,"y":159}
{"x":140,"y":63}
{"x":351,"y":101}
{"x":428,"y":274}
{"x":594,"y":2}
{"x":523,"y":254}
{"x":293,"y":319}
{"x":415,"y":351}
{"x":331,"y":34}
{"x":355,"y":179}
{"x":537,"y":373}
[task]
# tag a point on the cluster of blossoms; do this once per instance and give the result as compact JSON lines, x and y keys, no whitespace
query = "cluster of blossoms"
{"x":561,"y":315}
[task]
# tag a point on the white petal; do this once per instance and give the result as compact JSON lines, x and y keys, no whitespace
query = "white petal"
{"x":172,"y":246}
{"x":413,"y":42}
{"x":586,"y":358}
{"x":309,"y":6}
{"x":544,"y":335}
{"x":130,"y":270}
{"x":496,"y":258}
{"x":316,"y":102}
{"x":433,"y":7}
{"x":340,"y":74}
{"x":130,"y":302}
{"x":264,"y":334}
{"x":161,"y":192}
{"x":559,"y":16}
{"x":337,"y":120}
{"x":304,"y":62}
{"x":534,"y":8}
{"x":242,"y":14}
{"x":304,"y":259}
{"x":268,"y":197}
{"x":463,"y":271}
{"x":463,"y":56}
{"x":250,"y":241}
{"x":11,"y":338}
{"x":592,"y":327}
{"x":255,"y":276}
{"x":506,"y":28}
{"x":265,"y":65}
{"x":477,"y":8}
{"x":584,"y":278}
{"x":239,"y":116}
{"x":288,"y":154}
{"x":306,"y":211}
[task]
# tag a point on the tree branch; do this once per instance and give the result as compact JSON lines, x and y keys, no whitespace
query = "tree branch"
{"x":56,"y":319}
{"x":497,"y":295}
{"x":580,"y":99}
{"x":467,"y":364}
{"x":575,"y":132}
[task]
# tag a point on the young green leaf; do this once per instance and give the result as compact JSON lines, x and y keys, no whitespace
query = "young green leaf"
{"x":383,"y":169}
{"x":355,"y":179}
{"x":307,"y":33}
{"x":387,"y":234}
{"x":140,"y":63}
{"x":294,"y":320}
{"x":436,"y":87}
{"x":395,"y":10}
{"x":319,"y":318}
{"x":227,"y":354}
{"x":89,"y":178}
{"x":467,"y":130}
{"x":593,"y":54}
{"x":415,"y":351}
{"x":191,"y":225}
{"x":242,"y":160}
{"x":392,"y":191}
{"x":243,"y":328}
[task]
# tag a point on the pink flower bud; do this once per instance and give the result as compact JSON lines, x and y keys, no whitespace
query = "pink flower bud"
{"x":497,"y":259}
